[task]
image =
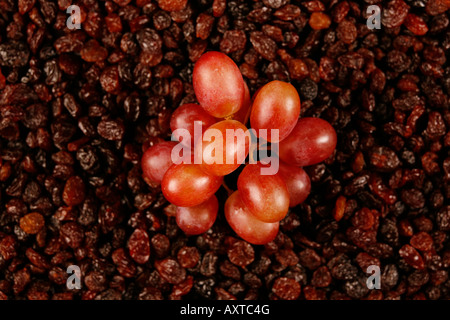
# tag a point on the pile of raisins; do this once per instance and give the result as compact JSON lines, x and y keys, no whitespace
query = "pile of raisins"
{"x":79,"y":106}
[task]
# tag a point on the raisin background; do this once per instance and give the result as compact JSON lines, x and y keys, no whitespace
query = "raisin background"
{"x":79,"y":107}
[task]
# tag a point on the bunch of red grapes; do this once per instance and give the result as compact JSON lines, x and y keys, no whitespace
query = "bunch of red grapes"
{"x":261,"y":200}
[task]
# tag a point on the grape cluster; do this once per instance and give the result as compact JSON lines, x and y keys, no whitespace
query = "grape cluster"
{"x":262,"y":199}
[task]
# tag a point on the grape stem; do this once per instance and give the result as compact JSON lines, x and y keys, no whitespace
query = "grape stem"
{"x":229,"y":191}
{"x":250,"y":155}
{"x":266,"y":147}
{"x":247,"y":116}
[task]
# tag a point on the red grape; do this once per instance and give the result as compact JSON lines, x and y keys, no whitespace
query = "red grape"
{"x":276,"y":106}
{"x":183,"y":118}
{"x":187,"y":185}
{"x":222,"y":154}
{"x":246,"y":105}
{"x":198,"y":219}
{"x":266,"y":196}
{"x":218,"y":84}
{"x":312,"y":141}
{"x":245,"y":224}
{"x":156,"y":160}
{"x":297,"y":182}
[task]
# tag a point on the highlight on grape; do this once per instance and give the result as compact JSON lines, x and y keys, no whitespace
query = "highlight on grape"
{"x":212,"y":147}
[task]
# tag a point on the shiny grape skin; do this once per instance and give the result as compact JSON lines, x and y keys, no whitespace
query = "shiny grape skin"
{"x":276,"y":106}
{"x":187,"y":185}
{"x":312,"y":141}
{"x":184,"y":116}
{"x":156,"y":160}
{"x":297,"y":181}
{"x":245,"y":224}
{"x":218,"y":84}
{"x":266,"y":196}
{"x":232,"y":149}
{"x":198,"y":219}
{"x":241,"y":114}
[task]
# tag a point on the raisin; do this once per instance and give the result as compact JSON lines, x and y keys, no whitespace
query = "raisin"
{"x":188,"y":257}
{"x":384,"y":159}
{"x":208,"y":265}
{"x":111,"y":129}
{"x":327,"y":69}
{"x":93,"y":52}
{"x":124,"y":264}
{"x":233,"y":40}
{"x":310,"y":259}
{"x":264,"y":45}
{"x":298,"y":69}
{"x":21,"y":279}
{"x":347,"y":32}
{"x":241,"y":253}
{"x":288,"y":12}
{"x":389,"y":277}
{"x":14,"y":54}
{"x":321,"y":277}
{"x":204,"y":26}
{"x":340,"y":11}
{"x":183,"y":288}
{"x":139,"y":246}
{"x":413,"y":198}
{"x":286,"y":257}
{"x":172,"y":5}
{"x":412,"y":257}
{"x":260,"y":15}
{"x":429,"y":163}
{"x":142,"y":76}
{"x":377,"y":81}
{"x":308,"y":89}
{"x":110,"y":79}
{"x":230,"y":270}
{"x":170,"y":270}
{"x":422,"y":241}
{"x":443,"y":218}
{"x":365,"y":260}
{"x":356,"y":288}
{"x":436,"y":126}
{"x":319,"y":21}
{"x":351,"y":60}
{"x":95,"y":281}
{"x":415,"y":24}
{"x":286,"y":288}
{"x":62,"y":132}
{"x":37,"y":259}
{"x":274,"y":4}
{"x":74,"y":191}
{"x":394,"y":14}
{"x":8,"y":247}
{"x":363,"y":219}
{"x":72,"y":234}
{"x":32,"y":223}
{"x":160,"y":244}
{"x":435,"y":7}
